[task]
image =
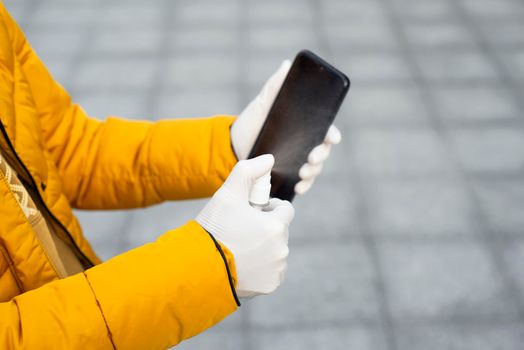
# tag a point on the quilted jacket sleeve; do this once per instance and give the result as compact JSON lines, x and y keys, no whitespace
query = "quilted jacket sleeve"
{"x":119,"y":163}
{"x":151,"y":297}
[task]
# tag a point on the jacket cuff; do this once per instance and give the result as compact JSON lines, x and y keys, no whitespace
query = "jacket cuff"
{"x":229,"y":263}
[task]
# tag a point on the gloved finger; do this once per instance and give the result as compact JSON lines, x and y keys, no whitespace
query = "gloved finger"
{"x":303,"y":186}
{"x":319,"y":154}
{"x":333,"y":136}
{"x":273,"y":203}
{"x":283,"y":210}
{"x":272,"y":86}
{"x":246,"y":172}
{"x":308,"y":171}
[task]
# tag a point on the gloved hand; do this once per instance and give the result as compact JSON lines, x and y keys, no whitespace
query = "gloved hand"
{"x":247,"y":126}
{"x":257,"y":239}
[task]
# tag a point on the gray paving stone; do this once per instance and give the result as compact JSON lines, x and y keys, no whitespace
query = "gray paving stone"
{"x":61,"y":70}
{"x":17,"y":9}
{"x":505,"y":33}
{"x":99,"y":225}
{"x":146,"y":225}
{"x":373,"y":67}
{"x":351,"y":10}
{"x":56,"y":44}
{"x":104,"y":230}
{"x":502,"y":203}
{"x":319,"y":289}
{"x":284,"y":38}
{"x":279,"y":11}
{"x":515,"y":65}
{"x":514,"y":257}
{"x":154,"y":3}
{"x":420,"y":209}
{"x":493,"y":8}
{"x":350,"y":337}
{"x":438,"y":36}
{"x":260,"y":66}
{"x":424,"y":10}
{"x":132,"y":15}
{"x":312,"y":225}
{"x":399,"y":153}
{"x":101,"y":105}
{"x":205,"y":38}
{"x":115,"y":74}
{"x":206,"y":12}
{"x":60,"y":15}
{"x":213,"y":340}
{"x":200,"y":71}
{"x":443,"y":281}
{"x":477,"y":102}
{"x":385,"y":105}
{"x":85,"y":14}
{"x":360,"y":35}
{"x":468,"y":66}
{"x":337,"y":166}
{"x":494,"y":150}
{"x":126,"y":41}
{"x":180,"y":104}
{"x":505,"y":336}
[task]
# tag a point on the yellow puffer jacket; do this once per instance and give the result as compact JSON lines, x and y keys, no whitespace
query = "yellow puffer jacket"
{"x":149,"y":298}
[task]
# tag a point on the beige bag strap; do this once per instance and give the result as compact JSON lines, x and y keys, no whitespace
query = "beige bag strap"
{"x":59,"y":254}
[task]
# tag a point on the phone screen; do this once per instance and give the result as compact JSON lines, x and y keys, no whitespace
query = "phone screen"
{"x":301,"y":114}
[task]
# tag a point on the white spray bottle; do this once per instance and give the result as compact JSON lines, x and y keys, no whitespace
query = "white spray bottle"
{"x":259,"y":195}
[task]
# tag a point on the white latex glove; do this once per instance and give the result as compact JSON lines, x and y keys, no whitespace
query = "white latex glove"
{"x":257,"y":239}
{"x":247,"y":126}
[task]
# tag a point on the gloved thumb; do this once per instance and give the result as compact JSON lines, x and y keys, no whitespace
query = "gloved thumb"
{"x":245,"y":173}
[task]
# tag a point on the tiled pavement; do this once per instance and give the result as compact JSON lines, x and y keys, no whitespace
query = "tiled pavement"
{"x":413,"y":238}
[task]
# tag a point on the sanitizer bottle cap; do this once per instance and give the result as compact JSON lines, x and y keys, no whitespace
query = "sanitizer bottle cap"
{"x":259,"y":195}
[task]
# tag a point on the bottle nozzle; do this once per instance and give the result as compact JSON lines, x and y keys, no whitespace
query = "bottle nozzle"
{"x":259,"y":195}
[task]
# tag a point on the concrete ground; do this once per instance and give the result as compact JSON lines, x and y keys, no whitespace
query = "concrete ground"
{"x":413,"y":238}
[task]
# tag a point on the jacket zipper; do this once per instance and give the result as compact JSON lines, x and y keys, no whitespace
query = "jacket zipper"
{"x":11,"y":265}
{"x":86,"y":262}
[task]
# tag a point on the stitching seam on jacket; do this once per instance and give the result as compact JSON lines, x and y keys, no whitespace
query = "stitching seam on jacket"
{"x":101,"y":312}
{"x":11,"y":267}
{"x":231,"y":284}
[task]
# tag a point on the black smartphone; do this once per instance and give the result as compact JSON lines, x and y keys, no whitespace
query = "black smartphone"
{"x":299,"y":118}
